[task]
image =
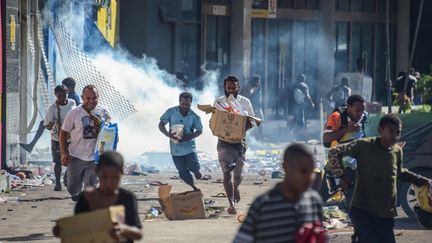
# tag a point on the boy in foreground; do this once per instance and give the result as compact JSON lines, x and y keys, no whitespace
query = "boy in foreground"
{"x":280,"y":214}
{"x":379,"y":166}
{"x":109,"y":170}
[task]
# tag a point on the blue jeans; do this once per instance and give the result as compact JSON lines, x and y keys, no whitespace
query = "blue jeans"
{"x":371,"y":228}
{"x":186,"y":164}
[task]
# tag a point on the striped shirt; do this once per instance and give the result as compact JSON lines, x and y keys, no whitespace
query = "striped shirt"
{"x":272,"y":218}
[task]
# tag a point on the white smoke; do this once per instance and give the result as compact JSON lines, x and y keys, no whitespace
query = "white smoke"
{"x":147,"y":88}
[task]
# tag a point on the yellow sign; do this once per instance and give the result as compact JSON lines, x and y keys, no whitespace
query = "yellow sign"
{"x":107,"y":20}
{"x":264,"y":9}
{"x":12,"y":32}
{"x":259,"y":13}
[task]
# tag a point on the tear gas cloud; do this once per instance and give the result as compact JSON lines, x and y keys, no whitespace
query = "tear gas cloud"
{"x":147,"y":88}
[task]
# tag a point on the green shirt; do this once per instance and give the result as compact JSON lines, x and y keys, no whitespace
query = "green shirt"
{"x":378,"y":169}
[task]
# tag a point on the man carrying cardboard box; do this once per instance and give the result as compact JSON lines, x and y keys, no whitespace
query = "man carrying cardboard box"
{"x":232,"y":155}
{"x":185,"y":125}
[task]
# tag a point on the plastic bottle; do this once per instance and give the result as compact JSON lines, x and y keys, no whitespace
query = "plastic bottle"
{"x":154,"y":212}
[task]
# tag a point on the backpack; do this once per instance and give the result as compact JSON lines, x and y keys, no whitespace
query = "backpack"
{"x":342,"y":110}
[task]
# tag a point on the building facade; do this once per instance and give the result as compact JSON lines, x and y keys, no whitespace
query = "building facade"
{"x":276,"y":39}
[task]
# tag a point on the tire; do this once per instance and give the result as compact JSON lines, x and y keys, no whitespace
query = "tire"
{"x":406,"y":192}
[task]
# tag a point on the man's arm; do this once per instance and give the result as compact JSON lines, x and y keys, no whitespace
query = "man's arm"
{"x":198,"y":128}
{"x":307,"y":96}
{"x":334,"y":131}
{"x":329,"y":137}
{"x":64,"y":153}
{"x":408,"y":176}
{"x":48,"y":121}
{"x":163,"y":129}
{"x":335,"y":155}
{"x":249,"y":122}
{"x":191,"y":136}
{"x":64,"y":131}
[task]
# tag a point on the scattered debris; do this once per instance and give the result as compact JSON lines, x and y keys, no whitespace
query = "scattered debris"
{"x":334,"y":223}
{"x":9,"y":199}
{"x":220,"y":194}
{"x":241,"y":217}
{"x":209,"y":202}
{"x":158,"y":183}
{"x":333,"y":212}
{"x":277,"y":175}
{"x":135,"y":170}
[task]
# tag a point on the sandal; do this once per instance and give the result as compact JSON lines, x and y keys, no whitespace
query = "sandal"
{"x":232,"y":210}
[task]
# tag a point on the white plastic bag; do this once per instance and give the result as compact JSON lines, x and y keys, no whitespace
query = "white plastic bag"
{"x":107,"y":139}
{"x":177,"y":131}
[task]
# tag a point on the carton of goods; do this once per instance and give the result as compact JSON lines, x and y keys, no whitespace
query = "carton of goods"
{"x":228,"y":126}
{"x":94,"y":227}
{"x":185,"y":205}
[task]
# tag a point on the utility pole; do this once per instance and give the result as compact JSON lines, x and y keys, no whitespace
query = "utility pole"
{"x":23,"y":77}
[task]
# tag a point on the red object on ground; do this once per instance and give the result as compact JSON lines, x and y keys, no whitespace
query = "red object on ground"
{"x":311,"y":233}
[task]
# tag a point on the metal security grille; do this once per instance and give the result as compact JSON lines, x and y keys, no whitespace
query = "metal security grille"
{"x":78,"y":65}
{"x":12,"y":82}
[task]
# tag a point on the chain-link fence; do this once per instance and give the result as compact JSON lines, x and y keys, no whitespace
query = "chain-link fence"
{"x":78,"y":65}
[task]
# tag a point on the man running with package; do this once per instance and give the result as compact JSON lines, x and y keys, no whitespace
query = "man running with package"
{"x":82,"y":124}
{"x":232,"y":155}
{"x":185,"y":125}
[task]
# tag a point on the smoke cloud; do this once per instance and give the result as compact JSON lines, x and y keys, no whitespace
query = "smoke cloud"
{"x":149,"y":89}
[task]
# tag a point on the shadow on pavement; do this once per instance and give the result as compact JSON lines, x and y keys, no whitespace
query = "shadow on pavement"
{"x":407,"y":224}
{"x":33,"y":237}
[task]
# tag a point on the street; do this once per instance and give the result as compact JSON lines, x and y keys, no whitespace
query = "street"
{"x":31,"y":219}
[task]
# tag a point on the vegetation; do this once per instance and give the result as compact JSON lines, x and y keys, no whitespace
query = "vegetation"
{"x":424,"y":88}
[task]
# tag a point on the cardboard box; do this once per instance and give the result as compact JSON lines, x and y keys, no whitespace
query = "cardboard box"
{"x":227,"y":126}
{"x":92,"y":227}
{"x":185,"y":205}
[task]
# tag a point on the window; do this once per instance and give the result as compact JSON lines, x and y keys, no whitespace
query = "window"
{"x":341,"y":49}
{"x":191,"y":10}
{"x":218,"y":44}
{"x":190,"y":39}
{"x":285,"y":4}
{"x":190,"y":51}
{"x":260,"y":4}
{"x":300,"y":4}
{"x":343,"y":5}
{"x":379,"y":76}
{"x":312,"y":4}
{"x":356,"y":5}
{"x":381,"y":4}
{"x":369,"y":5}
{"x":220,"y":2}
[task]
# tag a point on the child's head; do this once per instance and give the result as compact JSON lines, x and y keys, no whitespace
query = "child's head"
{"x":299,"y":165}
{"x":390,"y":127}
{"x":60,"y":91}
{"x":109,"y":170}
